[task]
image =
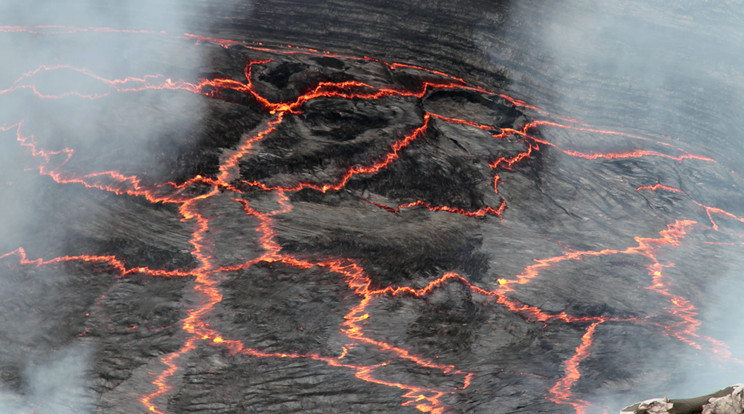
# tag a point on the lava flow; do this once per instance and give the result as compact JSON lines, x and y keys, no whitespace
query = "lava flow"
{"x":228,"y":186}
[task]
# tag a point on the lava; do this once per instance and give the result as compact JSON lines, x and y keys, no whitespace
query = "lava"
{"x":709,"y":210}
{"x":561,"y":391}
{"x":680,"y":320}
{"x":357,"y":170}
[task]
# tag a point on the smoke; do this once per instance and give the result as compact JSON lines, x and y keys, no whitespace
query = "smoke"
{"x":55,"y":385}
{"x":61,"y":61}
{"x":721,"y":321}
{"x":45,"y":53}
{"x":662,"y":64}
{"x":659,"y":67}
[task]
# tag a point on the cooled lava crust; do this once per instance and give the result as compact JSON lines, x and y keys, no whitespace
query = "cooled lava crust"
{"x":341,"y":234}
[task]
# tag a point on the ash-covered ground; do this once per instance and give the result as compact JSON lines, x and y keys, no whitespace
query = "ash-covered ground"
{"x":334,"y":207}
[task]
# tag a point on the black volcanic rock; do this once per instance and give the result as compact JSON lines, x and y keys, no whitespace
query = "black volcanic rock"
{"x":361,"y":252}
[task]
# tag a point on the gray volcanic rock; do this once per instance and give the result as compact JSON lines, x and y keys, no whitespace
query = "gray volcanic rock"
{"x":726,"y":401}
{"x":536,"y":209}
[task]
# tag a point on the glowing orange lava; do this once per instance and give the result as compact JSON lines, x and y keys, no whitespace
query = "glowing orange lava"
{"x":561,"y":391}
{"x":681,"y":312}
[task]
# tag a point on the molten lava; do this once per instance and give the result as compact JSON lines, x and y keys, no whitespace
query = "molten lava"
{"x":226,"y":186}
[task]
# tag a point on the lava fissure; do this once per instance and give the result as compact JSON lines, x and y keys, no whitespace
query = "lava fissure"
{"x":227,"y":183}
{"x":561,"y":391}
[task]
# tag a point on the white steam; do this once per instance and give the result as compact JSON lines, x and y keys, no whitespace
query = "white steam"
{"x":137,"y":130}
{"x":56,"y":385}
{"x":658,"y":67}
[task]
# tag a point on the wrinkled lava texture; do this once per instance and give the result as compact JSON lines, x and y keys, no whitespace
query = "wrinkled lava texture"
{"x":334,"y":229}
